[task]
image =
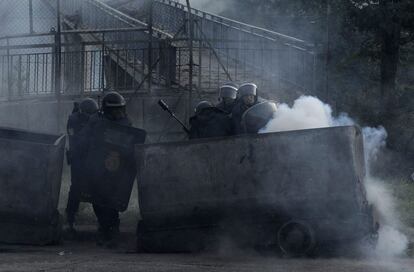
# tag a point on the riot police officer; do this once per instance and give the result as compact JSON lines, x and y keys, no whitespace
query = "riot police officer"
{"x":113,"y":110}
{"x":76,"y":122}
{"x":209,"y":121}
{"x":227,"y":98}
{"x":247,"y":98}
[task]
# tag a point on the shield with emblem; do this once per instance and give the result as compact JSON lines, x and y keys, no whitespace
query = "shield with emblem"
{"x":111,"y":166}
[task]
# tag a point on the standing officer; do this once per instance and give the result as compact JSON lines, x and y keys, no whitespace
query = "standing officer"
{"x":113,"y":110}
{"x":209,"y":121}
{"x":76,"y":122}
{"x":227,"y":98}
{"x":247,"y":98}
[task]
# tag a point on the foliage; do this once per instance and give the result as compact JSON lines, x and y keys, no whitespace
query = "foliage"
{"x":372,"y":38}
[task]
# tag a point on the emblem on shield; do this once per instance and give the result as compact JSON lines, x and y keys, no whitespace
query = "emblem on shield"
{"x":112,"y":161}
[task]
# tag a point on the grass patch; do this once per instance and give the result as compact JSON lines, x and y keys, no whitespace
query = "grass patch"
{"x":404,"y":195}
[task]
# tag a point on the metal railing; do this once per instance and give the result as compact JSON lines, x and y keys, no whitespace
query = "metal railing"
{"x":88,"y":63}
{"x":104,"y":48}
{"x":294,"y":59}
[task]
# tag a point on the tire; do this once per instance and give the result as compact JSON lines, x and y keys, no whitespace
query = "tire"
{"x":296,"y":238}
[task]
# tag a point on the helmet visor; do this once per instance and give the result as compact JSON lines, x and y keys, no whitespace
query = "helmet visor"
{"x":228,"y":92}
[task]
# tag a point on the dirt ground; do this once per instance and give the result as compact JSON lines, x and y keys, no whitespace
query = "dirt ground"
{"x":88,"y":257}
{"x":84,"y":255}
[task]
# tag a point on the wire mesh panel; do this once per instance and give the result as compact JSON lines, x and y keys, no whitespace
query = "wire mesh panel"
{"x":27,"y":16}
{"x":268,"y":54}
{"x":100,"y":47}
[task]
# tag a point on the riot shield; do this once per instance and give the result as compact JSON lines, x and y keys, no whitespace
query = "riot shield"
{"x":256,"y":117}
{"x":30,"y":179}
{"x":110,"y":165}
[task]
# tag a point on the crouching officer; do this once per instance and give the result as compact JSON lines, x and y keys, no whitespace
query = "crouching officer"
{"x":247,"y":98}
{"x":113,"y":112}
{"x":209,"y":122}
{"x":76,"y":122}
{"x":227,"y":98}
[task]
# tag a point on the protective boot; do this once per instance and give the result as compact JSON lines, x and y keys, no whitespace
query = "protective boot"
{"x":114,"y":237}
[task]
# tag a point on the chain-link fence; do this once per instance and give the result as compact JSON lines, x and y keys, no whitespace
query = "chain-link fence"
{"x":265,"y":56}
{"x":84,"y":67}
{"x":100,"y":47}
{"x":26,"y":16}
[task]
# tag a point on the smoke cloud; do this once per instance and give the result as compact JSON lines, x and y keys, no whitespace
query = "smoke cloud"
{"x":309,"y":112}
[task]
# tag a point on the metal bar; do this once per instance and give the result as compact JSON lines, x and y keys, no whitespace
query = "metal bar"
{"x":27,"y":35}
{"x":125,"y":70}
{"x":134,"y":65}
{"x":143,"y":63}
{"x":82,"y":70}
{"x":90,"y":70}
{"x":103,"y":63}
{"x":49,"y":45}
{"x":215,"y":54}
{"x":58,"y":41}
{"x":31,"y":16}
{"x":36,"y":75}
{"x":150,"y":36}
{"x":191,"y":64}
{"x":43,"y":72}
{"x":19,"y":76}
{"x":117,"y":70}
{"x":9,"y":81}
{"x":93,"y":66}
{"x":104,"y":30}
{"x":200,"y":63}
{"x":47,"y":74}
{"x":28,"y":74}
{"x":179,"y":65}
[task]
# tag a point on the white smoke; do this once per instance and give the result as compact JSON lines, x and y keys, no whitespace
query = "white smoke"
{"x":309,"y":112}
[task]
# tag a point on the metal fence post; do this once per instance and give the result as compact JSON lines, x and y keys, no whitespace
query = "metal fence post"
{"x":151,"y":33}
{"x":58,"y":51}
{"x":9,"y":67}
{"x":31,"y":16}
{"x":103,"y":63}
{"x":200,"y":55}
{"x":58,"y":78}
{"x":190,"y":45}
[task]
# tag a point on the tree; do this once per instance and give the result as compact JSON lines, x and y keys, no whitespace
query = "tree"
{"x":391,"y":24}
{"x":377,"y":29}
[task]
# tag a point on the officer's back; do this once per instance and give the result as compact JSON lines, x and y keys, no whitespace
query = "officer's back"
{"x":209,"y":122}
{"x":75,"y":156}
{"x":94,"y":146}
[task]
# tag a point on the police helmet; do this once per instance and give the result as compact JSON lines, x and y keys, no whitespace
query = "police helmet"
{"x":203,"y":105}
{"x":113,"y":100}
{"x":248,"y":89}
{"x":227,"y":91}
{"x":88,"y":106}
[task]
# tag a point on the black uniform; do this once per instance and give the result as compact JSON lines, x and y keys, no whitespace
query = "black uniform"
{"x":210,"y":122}
{"x":76,"y":122}
{"x":226,"y":107}
{"x":108,"y":218}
